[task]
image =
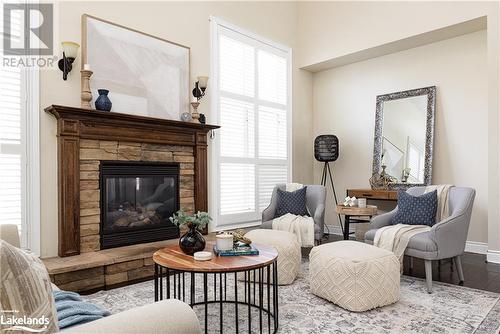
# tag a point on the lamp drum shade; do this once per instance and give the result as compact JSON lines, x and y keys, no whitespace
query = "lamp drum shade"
{"x":326,"y":148}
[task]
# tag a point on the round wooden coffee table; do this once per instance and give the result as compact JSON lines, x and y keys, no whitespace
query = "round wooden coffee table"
{"x":172,"y":265}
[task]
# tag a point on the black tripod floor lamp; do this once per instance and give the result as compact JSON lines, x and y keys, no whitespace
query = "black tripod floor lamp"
{"x":326,"y":150}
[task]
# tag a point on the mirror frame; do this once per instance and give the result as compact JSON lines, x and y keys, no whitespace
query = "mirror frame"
{"x":429,"y":132}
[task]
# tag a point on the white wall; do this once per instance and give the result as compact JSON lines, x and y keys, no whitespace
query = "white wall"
{"x":186,"y":23}
{"x":344,"y":104}
{"x":332,"y":29}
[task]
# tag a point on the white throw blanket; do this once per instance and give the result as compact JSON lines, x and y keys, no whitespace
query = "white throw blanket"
{"x":301,"y":226}
{"x":294,"y":186}
{"x":395,"y":238}
{"x":443,"y":192}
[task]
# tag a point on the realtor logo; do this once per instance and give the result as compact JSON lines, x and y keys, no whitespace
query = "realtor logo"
{"x":28,"y":29}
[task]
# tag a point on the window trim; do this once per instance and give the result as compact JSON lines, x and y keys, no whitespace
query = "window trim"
{"x":31,"y":195}
{"x":215,"y":24}
{"x":31,"y":235}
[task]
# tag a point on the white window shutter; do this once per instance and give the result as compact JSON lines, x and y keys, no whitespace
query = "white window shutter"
{"x":272,"y":133}
{"x":237,"y":120}
{"x":237,"y":66}
{"x":269,"y":176}
{"x":237,"y":188}
{"x":10,"y":191}
{"x":11,"y":141}
{"x":272,"y":77}
{"x":252,"y":107}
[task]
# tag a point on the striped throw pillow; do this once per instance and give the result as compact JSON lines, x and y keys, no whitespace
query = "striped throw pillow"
{"x":25,"y":293}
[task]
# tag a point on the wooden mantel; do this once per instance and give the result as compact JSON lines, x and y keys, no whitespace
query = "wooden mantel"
{"x":75,"y":124}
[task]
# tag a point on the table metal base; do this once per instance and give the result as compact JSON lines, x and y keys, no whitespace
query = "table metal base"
{"x":259,"y":296}
{"x":348,"y":220}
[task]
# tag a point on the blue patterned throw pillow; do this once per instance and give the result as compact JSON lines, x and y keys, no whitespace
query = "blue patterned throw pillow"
{"x":293,"y":202}
{"x":416,"y":210}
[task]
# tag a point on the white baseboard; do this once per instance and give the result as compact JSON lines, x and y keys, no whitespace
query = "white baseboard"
{"x":336,"y":230}
{"x":476,"y":247}
{"x":493,"y":256}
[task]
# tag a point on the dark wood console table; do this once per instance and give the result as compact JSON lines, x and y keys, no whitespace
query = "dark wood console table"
{"x":383,"y":195}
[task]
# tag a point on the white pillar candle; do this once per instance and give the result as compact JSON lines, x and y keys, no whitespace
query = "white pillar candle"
{"x":224,"y":241}
{"x":86,"y":67}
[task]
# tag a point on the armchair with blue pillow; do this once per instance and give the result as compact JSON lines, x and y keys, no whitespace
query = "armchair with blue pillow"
{"x":446,"y":237}
{"x":314,"y":206}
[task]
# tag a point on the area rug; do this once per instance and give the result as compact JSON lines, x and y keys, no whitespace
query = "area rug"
{"x":449,"y":309}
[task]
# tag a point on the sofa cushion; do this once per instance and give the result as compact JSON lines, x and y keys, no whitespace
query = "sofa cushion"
{"x":25,"y":288}
{"x":416,"y":210}
{"x":169,"y":316}
{"x":293,"y":202}
{"x":421,"y":241}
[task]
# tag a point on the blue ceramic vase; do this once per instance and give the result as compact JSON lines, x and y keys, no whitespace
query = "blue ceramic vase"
{"x":103,"y":102}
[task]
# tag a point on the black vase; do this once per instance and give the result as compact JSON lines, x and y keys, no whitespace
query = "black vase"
{"x":192,"y":241}
{"x":103,"y":102}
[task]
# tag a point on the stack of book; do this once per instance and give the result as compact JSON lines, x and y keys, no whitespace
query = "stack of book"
{"x":237,"y":250}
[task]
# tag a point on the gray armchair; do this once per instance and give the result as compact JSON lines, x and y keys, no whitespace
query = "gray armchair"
{"x":315,"y":203}
{"x":445,"y":240}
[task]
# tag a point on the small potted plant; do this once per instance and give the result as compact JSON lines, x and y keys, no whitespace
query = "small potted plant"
{"x":192,"y":241}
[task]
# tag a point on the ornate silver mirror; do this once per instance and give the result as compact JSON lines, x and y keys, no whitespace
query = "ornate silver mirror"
{"x":404,"y":135}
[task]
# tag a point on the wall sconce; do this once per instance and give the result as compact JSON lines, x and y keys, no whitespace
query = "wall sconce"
{"x":70,"y":51}
{"x":199,"y":87}
{"x":198,"y":92}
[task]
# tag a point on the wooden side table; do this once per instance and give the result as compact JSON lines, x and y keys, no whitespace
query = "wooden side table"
{"x":350,"y":211}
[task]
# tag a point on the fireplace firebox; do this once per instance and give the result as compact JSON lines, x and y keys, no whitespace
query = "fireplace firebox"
{"x":137,"y":199}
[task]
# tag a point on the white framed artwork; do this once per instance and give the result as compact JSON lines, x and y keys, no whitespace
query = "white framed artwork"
{"x":145,"y":75}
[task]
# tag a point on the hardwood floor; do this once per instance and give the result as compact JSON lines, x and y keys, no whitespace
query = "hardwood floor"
{"x":477,"y":272}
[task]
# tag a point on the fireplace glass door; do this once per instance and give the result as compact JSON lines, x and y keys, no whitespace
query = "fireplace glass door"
{"x":137,"y":200}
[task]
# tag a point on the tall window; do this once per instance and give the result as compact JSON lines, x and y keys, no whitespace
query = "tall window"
{"x":19,"y":171}
{"x":252,"y":89}
{"x":11,"y":146}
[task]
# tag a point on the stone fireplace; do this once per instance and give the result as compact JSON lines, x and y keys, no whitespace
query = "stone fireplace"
{"x":136,"y":200}
{"x":98,"y":157}
{"x":120,"y":178}
{"x":93,"y":144}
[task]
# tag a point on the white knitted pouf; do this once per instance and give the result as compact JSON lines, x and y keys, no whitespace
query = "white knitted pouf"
{"x":354,"y":275}
{"x":289,"y":255}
